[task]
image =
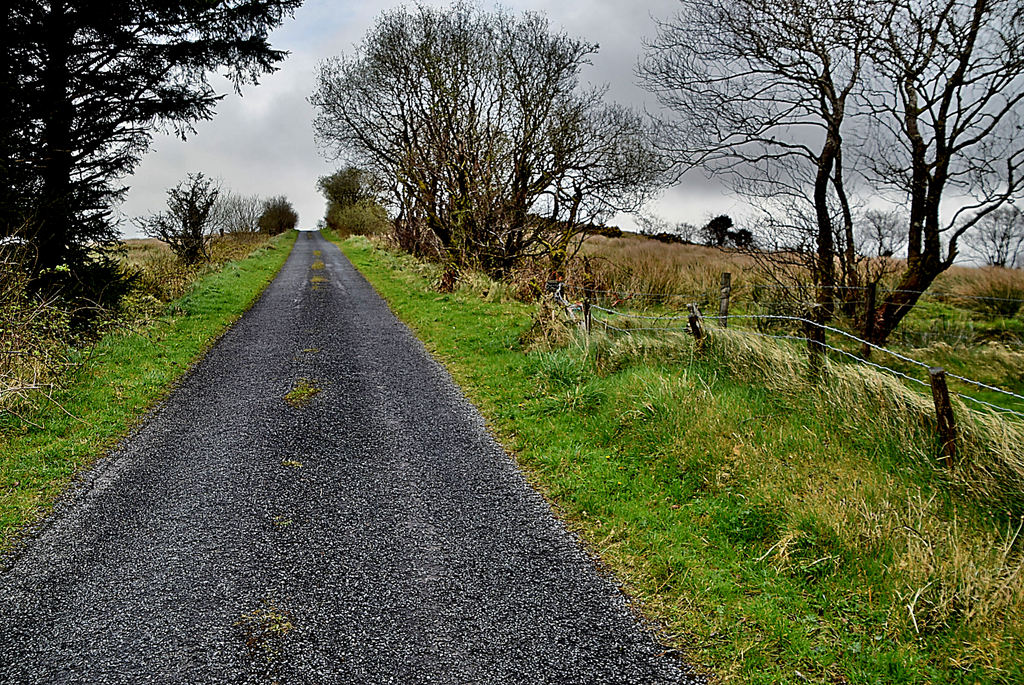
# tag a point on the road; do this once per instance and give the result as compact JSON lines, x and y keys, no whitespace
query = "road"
{"x":376,"y":534}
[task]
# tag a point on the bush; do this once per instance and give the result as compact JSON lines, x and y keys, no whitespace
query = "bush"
{"x":188,"y":219}
{"x":362,"y":218}
{"x":278,"y":216}
{"x":606,"y":231}
{"x":34,"y":337}
{"x":163,"y":276}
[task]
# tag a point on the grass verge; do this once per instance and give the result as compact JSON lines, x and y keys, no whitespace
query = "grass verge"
{"x":779,"y":536}
{"x":116,"y":382}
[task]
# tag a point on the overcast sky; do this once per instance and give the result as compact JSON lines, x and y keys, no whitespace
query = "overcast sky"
{"x":262,"y":143}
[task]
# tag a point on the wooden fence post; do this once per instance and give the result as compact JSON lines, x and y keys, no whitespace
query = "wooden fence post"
{"x":723,"y":299}
{"x":944,"y":413}
{"x":815,"y":344}
{"x":695,"y":328}
{"x":869,"y":319}
{"x":588,"y":294}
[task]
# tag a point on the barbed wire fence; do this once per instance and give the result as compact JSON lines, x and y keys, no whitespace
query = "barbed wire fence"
{"x":588,"y":314}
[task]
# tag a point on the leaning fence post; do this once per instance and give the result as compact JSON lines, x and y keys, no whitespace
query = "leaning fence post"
{"x":723,"y":300}
{"x":695,"y":328}
{"x":944,"y":413}
{"x":586,"y":312}
{"x":869,"y":320}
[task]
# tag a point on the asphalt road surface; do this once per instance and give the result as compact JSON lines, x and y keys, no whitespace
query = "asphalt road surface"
{"x":375,"y":535}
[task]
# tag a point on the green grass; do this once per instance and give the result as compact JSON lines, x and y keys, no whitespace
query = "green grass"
{"x":779,"y":537}
{"x":970,"y":321}
{"x":963,"y":342}
{"x":117,"y":381}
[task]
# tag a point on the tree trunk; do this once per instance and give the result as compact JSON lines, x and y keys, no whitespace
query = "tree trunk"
{"x":897,"y":304}
{"x":824,"y":276}
{"x":55,"y":219}
{"x":850,"y":295}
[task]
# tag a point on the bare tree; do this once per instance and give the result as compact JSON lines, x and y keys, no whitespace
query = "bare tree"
{"x":930,"y":90}
{"x":236,"y":213}
{"x":478,"y":125}
{"x":998,"y":238}
{"x":881,"y":233}
{"x":651,"y":224}
{"x":762,"y":95}
{"x":947,"y":86}
{"x":881,"y":236}
{"x":187,"y":223}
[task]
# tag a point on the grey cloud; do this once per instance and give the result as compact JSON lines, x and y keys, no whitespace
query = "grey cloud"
{"x":262,"y":143}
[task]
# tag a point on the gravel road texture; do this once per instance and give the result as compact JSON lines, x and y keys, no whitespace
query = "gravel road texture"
{"x":371,"y":532}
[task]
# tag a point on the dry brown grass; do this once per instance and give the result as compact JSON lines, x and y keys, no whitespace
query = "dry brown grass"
{"x":989,"y":290}
{"x":35,"y":339}
{"x":166,"y":278}
{"x":637,"y":264}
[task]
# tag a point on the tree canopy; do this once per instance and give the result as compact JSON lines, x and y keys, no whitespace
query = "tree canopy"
{"x":928,"y":91}
{"x":480,"y":130}
{"x":277,"y":216}
{"x":86,"y":83}
{"x":348,"y":186}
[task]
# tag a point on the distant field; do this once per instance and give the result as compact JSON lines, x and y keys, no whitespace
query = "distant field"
{"x":635,"y":263}
{"x":971,"y":321}
{"x":143,"y":243}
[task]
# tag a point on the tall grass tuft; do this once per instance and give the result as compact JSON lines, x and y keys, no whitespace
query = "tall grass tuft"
{"x":952,"y":575}
{"x":990,"y":467}
{"x":991,"y":290}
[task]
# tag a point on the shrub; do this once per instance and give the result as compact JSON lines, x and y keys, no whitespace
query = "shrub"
{"x":278,"y":216}
{"x":188,"y":219}
{"x":362,"y":218}
{"x":670,"y":238}
{"x":606,"y":231}
{"x":34,"y":337}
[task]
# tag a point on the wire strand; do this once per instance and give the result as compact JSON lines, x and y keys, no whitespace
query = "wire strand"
{"x":637,"y":316}
{"x":985,"y":386}
{"x":832,"y":329}
{"x":989,"y":405}
{"x":840,"y":351}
